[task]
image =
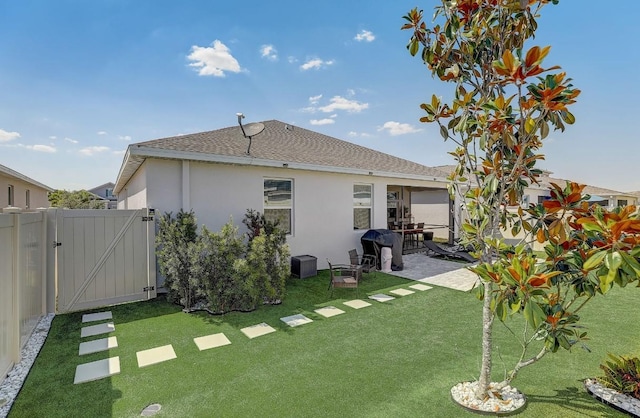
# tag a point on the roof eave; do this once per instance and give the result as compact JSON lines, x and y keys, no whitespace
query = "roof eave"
{"x":135,"y":156}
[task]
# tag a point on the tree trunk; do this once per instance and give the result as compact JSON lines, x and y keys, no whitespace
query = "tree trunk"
{"x":487,"y":343}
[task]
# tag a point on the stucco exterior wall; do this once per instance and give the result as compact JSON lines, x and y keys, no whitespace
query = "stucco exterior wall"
{"x":38,"y":195}
{"x":322,"y":202}
{"x":134,"y":194}
{"x":432,"y":208}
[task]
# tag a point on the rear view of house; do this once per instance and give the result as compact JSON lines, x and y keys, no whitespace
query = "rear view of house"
{"x":324,"y":191}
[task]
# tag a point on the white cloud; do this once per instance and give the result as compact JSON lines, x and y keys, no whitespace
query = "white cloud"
{"x":53,"y":137}
{"x":124,"y":138}
{"x":340,"y":103}
{"x":315,"y":63}
{"x":8,"y":136}
{"x":73,"y":141}
{"x":89,"y":151}
{"x":213,"y":60}
{"x":292,"y":59}
{"x":360,"y":134}
{"x":326,"y":121}
{"x":335,"y":115}
{"x":120,"y":152}
{"x":365,"y":35}
{"x":269,"y":52}
{"x":101,"y":132}
{"x":397,"y":128}
{"x":315,"y":99}
{"x":41,"y":148}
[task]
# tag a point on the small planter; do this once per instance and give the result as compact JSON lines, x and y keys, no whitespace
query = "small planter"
{"x":504,"y":402}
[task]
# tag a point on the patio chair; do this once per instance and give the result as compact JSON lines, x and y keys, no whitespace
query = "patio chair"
{"x":342,"y":276}
{"x":439,"y":251}
{"x":367,"y":262}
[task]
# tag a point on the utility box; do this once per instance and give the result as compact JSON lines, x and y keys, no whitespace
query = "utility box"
{"x":303,"y":266}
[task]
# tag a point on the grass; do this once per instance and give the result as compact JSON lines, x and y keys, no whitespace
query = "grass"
{"x":396,"y":359}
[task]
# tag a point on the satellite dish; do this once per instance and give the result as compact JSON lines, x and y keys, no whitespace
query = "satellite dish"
{"x":249,"y":130}
{"x":253,"y":129}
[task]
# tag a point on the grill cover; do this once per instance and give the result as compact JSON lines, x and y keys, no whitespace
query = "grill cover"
{"x":374,"y":239}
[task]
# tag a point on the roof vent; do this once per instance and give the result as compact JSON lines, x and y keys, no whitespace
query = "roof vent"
{"x":250,"y":130}
{"x":288,"y":127}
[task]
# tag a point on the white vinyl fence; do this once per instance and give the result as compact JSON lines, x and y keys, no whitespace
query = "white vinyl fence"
{"x":22,"y":281}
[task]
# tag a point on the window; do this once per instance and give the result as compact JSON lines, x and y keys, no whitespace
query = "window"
{"x":278,"y":202}
{"x":362,"y":206}
{"x":27,"y":199}
{"x":622,"y":202}
{"x":108,"y":193}
{"x":525,"y":201}
{"x":10,"y":196}
{"x":543,"y":198}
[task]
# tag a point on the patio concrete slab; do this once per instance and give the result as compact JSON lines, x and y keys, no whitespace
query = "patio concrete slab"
{"x":431,"y":270}
{"x":98,"y":316}
{"x":97,"y":329}
{"x":97,"y":370}
{"x":381,"y":297}
{"x":296,"y":320}
{"x":421,"y":287}
{"x":329,"y":311}
{"x":96,"y":346}
{"x":258,"y":330}
{"x":155,"y":355}
{"x":461,"y":279}
{"x":356,"y":304}
{"x":402,"y":292}
{"x":211,"y":341}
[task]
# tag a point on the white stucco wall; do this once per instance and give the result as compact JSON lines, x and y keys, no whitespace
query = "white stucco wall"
{"x":134,"y":194}
{"x":322,"y":202}
{"x":432,"y":208}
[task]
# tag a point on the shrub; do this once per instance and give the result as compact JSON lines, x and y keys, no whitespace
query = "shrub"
{"x":175,"y":244}
{"x":622,"y":374}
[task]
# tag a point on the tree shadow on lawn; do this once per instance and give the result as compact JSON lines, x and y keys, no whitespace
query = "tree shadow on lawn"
{"x":303,"y":296}
{"x":574,"y":400}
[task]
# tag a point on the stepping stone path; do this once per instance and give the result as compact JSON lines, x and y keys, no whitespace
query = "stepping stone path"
{"x":381,"y":297}
{"x":402,"y":292}
{"x":100,"y":369}
{"x":329,"y":311}
{"x":421,"y":287}
{"x":155,"y":355}
{"x":211,"y":341}
{"x":110,"y":366}
{"x":258,"y":330}
{"x":296,"y":320}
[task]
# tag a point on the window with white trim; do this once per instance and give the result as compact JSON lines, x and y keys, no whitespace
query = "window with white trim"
{"x":278,"y":202}
{"x":362,"y":198}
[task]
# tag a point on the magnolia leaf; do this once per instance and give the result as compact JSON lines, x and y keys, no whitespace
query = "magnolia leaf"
{"x":544,"y":130}
{"x":594,"y":260}
{"x":534,"y":314}
{"x":568,"y":117}
{"x":444,"y":132}
{"x":413,"y":47}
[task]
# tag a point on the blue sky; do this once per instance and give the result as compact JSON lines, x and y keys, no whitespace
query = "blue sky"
{"x":81,"y":80}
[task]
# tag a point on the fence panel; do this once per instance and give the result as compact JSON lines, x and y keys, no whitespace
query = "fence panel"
{"x":22,"y":282}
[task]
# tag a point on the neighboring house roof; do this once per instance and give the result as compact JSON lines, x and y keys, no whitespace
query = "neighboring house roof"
{"x":279,"y":145}
{"x":100,"y":190}
{"x":591,"y":190}
{"x":15,"y":174}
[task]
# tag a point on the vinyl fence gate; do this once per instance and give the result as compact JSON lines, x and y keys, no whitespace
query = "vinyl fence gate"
{"x":102,"y":257}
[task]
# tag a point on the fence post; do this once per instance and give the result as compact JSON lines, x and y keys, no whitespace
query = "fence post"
{"x":15,"y":279}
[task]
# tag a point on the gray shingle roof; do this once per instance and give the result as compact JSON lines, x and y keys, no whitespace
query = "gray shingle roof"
{"x":15,"y":174}
{"x":278,"y":143}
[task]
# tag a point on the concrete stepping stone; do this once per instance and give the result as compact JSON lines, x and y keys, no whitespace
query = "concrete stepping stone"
{"x":97,"y":329}
{"x":155,"y":355}
{"x":296,"y":320}
{"x":421,"y":287}
{"x":211,"y":341}
{"x":96,"y":346}
{"x":98,"y":316}
{"x":257,"y":330}
{"x":329,"y":311}
{"x":97,"y":370}
{"x":381,"y":297}
{"x":356,"y":304}
{"x":402,"y":292}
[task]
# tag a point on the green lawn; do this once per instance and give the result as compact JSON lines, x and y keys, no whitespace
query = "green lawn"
{"x":394,"y":359}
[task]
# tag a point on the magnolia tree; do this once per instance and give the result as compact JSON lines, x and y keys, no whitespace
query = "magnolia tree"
{"x":504,"y":104}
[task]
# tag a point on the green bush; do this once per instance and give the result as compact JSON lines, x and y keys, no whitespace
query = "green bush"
{"x":622,"y":374}
{"x":218,"y":271}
